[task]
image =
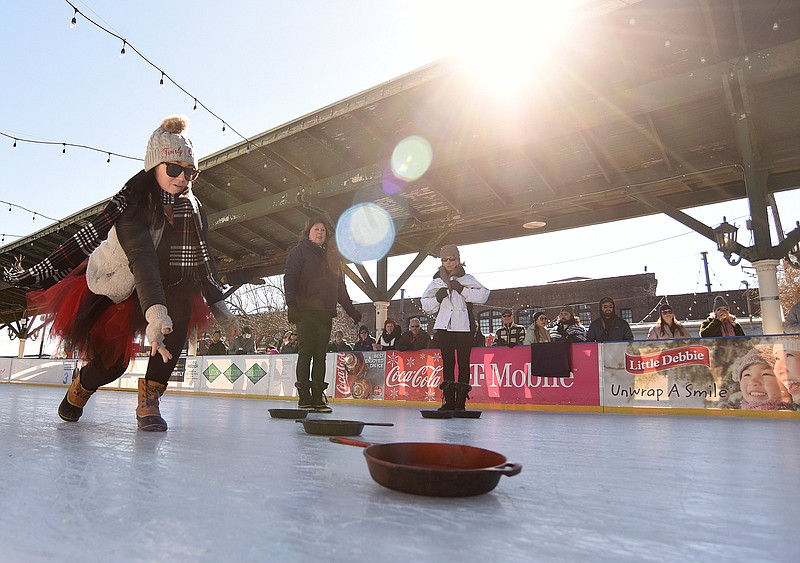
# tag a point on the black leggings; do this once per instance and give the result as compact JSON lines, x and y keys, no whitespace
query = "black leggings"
{"x":94,"y":374}
{"x":313,"y":333}
{"x":455,"y":346}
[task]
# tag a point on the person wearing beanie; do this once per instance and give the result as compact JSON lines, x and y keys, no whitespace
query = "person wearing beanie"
{"x":339,"y":344}
{"x":149,"y":272}
{"x":667,"y":326}
{"x":217,"y":346}
{"x":720,"y":322}
{"x":365,"y":341}
{"x":450,"y":297}
{"x":538,"y":331}
{"x":761,"y":389}
{"x":568,"y":327}
{"x":608,"y":327}
{"x":244,"y":343}
{"x":511,"y":333}
{"x":314,"y":283}
{"x":792,"y":323}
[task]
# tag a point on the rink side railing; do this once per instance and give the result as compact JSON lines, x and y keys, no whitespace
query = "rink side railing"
{"x":688,"y":376}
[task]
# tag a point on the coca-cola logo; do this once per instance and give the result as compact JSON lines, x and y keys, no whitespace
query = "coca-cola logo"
{"x":424,"y":376}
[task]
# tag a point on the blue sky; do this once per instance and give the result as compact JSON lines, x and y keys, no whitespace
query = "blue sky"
{"x":259,"y":65}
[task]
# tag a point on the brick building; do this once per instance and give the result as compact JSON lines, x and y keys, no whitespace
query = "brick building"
{"x":636,"y":298}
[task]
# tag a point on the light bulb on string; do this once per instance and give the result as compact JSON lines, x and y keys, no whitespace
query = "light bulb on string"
{"x":667,"y":43}
{"x":195,"y":105}
{"x":775,"y":26}
{"x":14,"y":145}
{"x":223,"y":127}
{"x":108,"y":160}
{"x":161,"y":82}
{"x":34,"y":217}
{"x":122,"y":51}
{"x":702,"y":60}
{"x":74,"y":21}
{"x":64,"y":150}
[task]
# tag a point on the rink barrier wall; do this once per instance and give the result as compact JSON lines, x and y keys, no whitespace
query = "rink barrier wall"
{"x":687,"y":376}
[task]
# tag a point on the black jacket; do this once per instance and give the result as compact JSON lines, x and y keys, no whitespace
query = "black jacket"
{"x":310,"y":282}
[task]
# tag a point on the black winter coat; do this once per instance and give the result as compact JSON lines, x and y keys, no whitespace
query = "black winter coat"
{"x":311,"y":284}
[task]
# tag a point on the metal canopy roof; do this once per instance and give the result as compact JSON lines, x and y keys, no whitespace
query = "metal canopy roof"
{"x":645,"y":101}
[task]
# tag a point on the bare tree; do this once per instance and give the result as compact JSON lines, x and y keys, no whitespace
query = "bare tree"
{"x":788,"y":286}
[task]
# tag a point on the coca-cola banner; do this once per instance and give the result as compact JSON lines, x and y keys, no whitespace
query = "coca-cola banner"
{"x":497,"y":375}
{"x":757,"y":373}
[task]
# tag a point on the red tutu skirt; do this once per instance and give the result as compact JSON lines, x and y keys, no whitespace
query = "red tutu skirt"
{"x":95,"y":326}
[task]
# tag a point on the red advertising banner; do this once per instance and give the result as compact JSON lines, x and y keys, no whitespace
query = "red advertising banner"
{"x":497,"y":375}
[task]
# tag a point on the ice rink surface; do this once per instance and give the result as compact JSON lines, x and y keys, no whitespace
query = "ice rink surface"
{"x":228,"y":483}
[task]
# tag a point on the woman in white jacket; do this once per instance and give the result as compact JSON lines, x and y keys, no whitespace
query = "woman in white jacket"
{"x":450,"y":296}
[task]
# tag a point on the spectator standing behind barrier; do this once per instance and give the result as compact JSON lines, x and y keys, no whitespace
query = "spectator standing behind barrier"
{"x":666,"y":326}
{"x":244,"y":343}
{"x":792,"y":323}
{"x":537,"y":332}
{"x":609,"y":327}
{"x":510,"y":334}
{"x":388,"y":338}
{"x":450,"y":297}
{"x":720,"y":322}
{"x":338,"y":343}
{"x":365,"y":342}
{"x":217,"y":346}
{"x":568,"y":327}
{"x":414,"y":339}
{"x":314,"y":283}
{"x":478,"y":338}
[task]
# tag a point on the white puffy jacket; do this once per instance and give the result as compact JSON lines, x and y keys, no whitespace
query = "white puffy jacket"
{"x":451,"y":313}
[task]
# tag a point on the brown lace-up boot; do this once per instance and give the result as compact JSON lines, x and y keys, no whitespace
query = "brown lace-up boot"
{"x":148,"y":416}
{"x":71,"y":408}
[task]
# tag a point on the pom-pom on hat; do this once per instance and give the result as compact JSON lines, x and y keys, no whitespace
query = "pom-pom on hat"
{"x":756,"y":355}
{"x":168,"y":143}
{"x":450,"y":250}
{"x":719,"y":301}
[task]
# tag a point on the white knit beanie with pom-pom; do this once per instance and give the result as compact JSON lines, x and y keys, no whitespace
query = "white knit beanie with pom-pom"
{"x":169,"y":144}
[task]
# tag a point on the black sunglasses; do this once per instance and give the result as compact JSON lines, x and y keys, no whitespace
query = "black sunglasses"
{"x":506,"y":314}
{"x":449,"y":259}
{"x":174,"y":170}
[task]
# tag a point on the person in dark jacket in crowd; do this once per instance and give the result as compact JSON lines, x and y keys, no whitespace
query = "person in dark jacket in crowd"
{"x":365,"y":342}
{"x":609,"y":327}
{"x":720,"y":322}
{"x":510,"y":334}
{"x":478,"y":338}
{"x":388,"y":338}
{"x":149,"y":271}
{"x":314,"y":283}
{"x":217,"y":346}
{"x":338,"y":344}
{"x":568,"y":327}
{"x":414,"y":339}
{"x":244,"y":343}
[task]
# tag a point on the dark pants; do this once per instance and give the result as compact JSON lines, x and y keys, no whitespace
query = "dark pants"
{"x":313,"y":334}
{"x":455,"y":346}
{"x":94,"y":374}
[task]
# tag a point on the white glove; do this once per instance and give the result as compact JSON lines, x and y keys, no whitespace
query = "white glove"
{"x":158,"y":324}
{"x":227,"y":320}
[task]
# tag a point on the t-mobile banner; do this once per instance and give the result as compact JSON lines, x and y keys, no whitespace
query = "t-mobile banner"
{"x":713,"y":373}
{"x":497,"y":375}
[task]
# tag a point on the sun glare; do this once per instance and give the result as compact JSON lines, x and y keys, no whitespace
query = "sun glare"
{"x":504,"y":45}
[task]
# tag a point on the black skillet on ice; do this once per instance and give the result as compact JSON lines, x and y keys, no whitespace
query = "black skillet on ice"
{"x":434,"y":469}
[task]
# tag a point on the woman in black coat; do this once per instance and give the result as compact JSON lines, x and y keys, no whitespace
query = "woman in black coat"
{"x":314,"y":283}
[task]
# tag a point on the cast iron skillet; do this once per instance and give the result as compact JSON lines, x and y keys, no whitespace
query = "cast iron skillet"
{"x":338,"y":427}
{"x":434,"y":469}
{"x":287,"y":413}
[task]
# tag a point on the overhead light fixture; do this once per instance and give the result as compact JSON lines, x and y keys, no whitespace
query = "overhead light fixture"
{"x":725,"y":235}
{"x":534,"y":221}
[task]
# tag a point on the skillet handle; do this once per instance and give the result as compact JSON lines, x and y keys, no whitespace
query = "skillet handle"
{"x":508,"y":469}
{"x":349,"y":441}
{"x":378,"y":423}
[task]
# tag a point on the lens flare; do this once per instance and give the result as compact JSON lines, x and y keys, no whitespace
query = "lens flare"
{"x":411,"y":158}
{"x":365,"y":232}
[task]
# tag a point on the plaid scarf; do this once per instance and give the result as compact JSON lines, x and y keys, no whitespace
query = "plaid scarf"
{"x":192,"y":251}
